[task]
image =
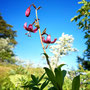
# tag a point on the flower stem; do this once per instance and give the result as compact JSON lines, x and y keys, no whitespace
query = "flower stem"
{"x":41,"y":41}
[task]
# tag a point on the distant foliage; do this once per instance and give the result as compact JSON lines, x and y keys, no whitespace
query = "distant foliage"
{"x":7,"y":41}
{"x":84,"y":77}
{"x":83,"y":16}
{"x":5,"y":49}
{"x":83,"y":19}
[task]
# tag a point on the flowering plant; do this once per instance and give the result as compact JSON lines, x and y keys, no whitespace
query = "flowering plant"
{"x":62,"y":47}
{"x":56,"y":76}
{"x":30,"y":29}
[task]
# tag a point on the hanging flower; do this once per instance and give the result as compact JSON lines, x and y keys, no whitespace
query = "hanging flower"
{"x":27,"y":13}
{"x":30,"y":28}
{"x":48,"y":39}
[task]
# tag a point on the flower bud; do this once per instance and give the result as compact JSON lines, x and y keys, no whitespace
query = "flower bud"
{"x":27,"y":13}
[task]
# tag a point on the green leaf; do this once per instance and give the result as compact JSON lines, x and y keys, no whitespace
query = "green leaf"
{"x":52,"y":88}
{"x":79,"y":10}
{"x":80,"y":27}
{"x":51,"y":76}
{"x":35,"y":80}
{"x":35,"y":88}
{"x":47,"y":57}
{"x":59,"y":78}
{"x":28,"y":86}
{"x":86,"y":35}
{"x":76,"y":83}
{"x":44,"y":85}
{"x":84,"y":19}
{"x":73,"y":19}
{"x":80,"y":23}
{"x":80,"y":2}
{"x":41,"y":77}
{"x":64,"y":74}
{"x":59,"y":67}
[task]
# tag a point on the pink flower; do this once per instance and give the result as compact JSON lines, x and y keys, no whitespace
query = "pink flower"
{"x":27,"y":13}
{"x":48,"y":40}
{"x":30,"y":28}
{"x":25,"y":25}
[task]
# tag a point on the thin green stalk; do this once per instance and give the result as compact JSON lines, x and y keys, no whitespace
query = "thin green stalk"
{"x":41,"y":41}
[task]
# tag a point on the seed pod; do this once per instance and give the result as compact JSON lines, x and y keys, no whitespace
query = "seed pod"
{"x":34,"y":6}
{"x":38,"y":7}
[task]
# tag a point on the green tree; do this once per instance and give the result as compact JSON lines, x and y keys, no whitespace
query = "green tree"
{"x":83,"y":19}
{"x":7,"y":41}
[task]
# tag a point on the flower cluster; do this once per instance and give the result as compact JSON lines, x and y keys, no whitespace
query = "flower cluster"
{"x":62,"y":47}
{"x":30,"y":26}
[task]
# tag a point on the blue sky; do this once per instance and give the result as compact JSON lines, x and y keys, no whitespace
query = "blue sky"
{"x":55,"y":15}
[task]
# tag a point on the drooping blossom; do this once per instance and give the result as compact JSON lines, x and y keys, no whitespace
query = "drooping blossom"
{"x":27,"y":13}
{"x":48,"y":39}
{"x":30,"y":28}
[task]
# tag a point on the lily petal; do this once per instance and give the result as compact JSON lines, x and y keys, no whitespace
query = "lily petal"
{"x":25,"y":25}
{"x":35,"y":30}
{"x":30,"y":28}
{"x":54,"y":40}
{"x":48,"y":38}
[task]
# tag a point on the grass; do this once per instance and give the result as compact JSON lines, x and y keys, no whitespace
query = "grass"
{"x":6,"y":68}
